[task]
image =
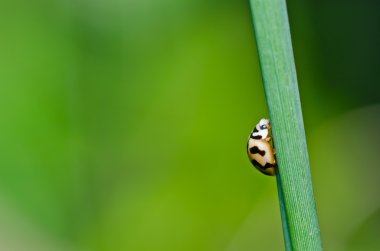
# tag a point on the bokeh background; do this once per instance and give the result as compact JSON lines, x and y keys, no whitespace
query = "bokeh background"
{"x":123,"y":125}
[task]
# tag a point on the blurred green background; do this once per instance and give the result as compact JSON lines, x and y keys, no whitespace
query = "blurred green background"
{"x":123,"y":125}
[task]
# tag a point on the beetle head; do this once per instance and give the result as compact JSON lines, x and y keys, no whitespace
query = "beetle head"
{"x":263,"y":125}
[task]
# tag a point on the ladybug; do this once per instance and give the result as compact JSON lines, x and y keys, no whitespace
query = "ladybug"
{"x":260,"y":151}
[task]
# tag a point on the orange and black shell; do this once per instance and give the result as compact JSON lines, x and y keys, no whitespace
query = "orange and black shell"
{"x":262,"y":155}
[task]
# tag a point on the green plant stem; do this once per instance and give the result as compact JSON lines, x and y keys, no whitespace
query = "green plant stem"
{"x":298,"y":212}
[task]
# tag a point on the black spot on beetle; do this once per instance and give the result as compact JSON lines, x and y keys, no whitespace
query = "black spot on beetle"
{"x":255,"y":163}
{"x":256,"y":137}
{"x":260,"y":167}
{"x":255,"y":149}
{"x":268,"y":165}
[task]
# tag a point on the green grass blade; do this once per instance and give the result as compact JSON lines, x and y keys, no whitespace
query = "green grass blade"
{"x":298,"y":212}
